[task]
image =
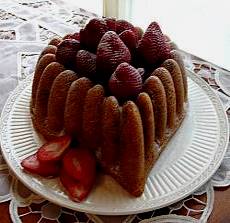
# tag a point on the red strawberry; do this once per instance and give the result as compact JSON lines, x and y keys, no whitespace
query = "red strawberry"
{"x":92,"y":33}
{"x":53,"y":150}
{"x":122,"y":25}
{"x":111,"y":24}
{"x":111,"y":52}
{"x":75,"y":36}
{"x":80,"y":164}
{"x":125,"y":82}
{"x":86,"y":63}
{"x":77,"y":191}
{"x":129,"y":39}
{"x":152,"y":47}
{"x":66,"y":52}
{"x":33,"y":165}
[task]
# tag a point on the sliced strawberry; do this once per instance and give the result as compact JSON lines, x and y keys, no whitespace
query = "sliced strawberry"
{"x":77,"y":191}
{"x":33,"y":165}
{"x":53,"y":150}
{"x":80,"y":164}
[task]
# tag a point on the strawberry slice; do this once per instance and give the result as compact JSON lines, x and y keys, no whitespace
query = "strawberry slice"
{"x":53,"y":150}
{"x":77,"y":191}
{"x":33,"y":165}
{"x":80,"y":164}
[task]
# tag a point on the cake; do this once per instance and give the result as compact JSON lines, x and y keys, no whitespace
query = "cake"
{"x":116,"y":91}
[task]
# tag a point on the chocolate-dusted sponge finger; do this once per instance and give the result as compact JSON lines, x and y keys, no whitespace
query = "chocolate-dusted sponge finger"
{"x":74,"y":106}
{"x":174,"y":69}
{"x":91,"y":127}
{"x":41,"y":65}
{"x":110,"y":131}
{"x":145,"y":107}
{"x":132,"y":152}
{"x":168,"y":84}
{"x":177,"y":57}
{"x":49,"y":49}
{"x":154,"y":87}
{"x":55,"y":41}
{"x":57,"y":100}
{"x":43,"y":92}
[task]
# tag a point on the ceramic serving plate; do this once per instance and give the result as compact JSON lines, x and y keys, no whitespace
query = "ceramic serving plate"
{"x":189,"y":160}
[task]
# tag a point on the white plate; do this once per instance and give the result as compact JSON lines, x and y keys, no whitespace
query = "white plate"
{"x":189,"y":160}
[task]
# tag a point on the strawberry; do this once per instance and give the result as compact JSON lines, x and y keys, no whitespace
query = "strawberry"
{"x":129,"y":39}
{"x":75,"y":36}
{"x":122,"y":25}
{"x":53,"y":150}
{"x":77,"y":191}
{"x":66,"y":52}
{"x":111,"y":24}
{"x":86,"y":63}
{"x":91,"y":35}
{"x":125,"y":82}
{"x":33,"y":165}
{"x":152,"y":47}
{"x":80,"y":164}
{"x":111,"y":52}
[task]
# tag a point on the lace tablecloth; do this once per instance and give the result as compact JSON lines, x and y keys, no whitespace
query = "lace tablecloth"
{"x":25,"y":28}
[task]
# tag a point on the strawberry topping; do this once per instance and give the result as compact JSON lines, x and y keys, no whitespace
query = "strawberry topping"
{"x":53,"y":150}
{"x":33,"y":165}
{"x":80,"y":164}
{"x":77,"y":191}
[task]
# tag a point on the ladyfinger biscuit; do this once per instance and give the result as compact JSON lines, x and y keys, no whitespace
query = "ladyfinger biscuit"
{"x":55,"y":41}
{"x":177,"y":57}
{"x":168,"y":84}
{"x":91,"y":127}
{"x":174,"y":69}
{"x":41,"y":65}
{"x":110,"y":131}
{"x":145,"y":107}
{"x":74,"y":106}
{"x":43,"y":92}
{"x":154,"y":87}
{"x":132,"y":152}
{"x":57,"y":100}
{"x":49,"y":49}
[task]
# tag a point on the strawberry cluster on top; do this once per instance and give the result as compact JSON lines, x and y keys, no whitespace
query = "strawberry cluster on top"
{"x":115,"y":54}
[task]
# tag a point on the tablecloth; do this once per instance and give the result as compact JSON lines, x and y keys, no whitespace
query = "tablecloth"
{"x":25,"y":29}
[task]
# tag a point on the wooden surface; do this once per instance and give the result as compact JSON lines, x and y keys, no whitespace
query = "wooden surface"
{"x":221,"y":210}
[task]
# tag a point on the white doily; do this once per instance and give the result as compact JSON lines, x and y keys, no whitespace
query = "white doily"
{"x":25,"y":28}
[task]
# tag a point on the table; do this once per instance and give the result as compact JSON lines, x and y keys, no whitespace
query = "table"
{"x":25,"y":28}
